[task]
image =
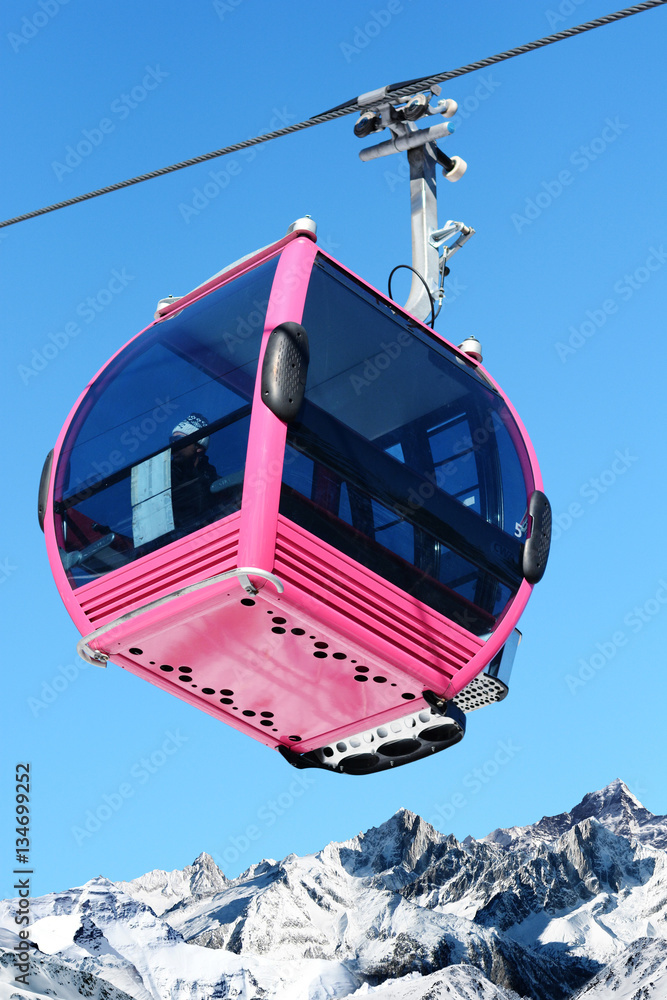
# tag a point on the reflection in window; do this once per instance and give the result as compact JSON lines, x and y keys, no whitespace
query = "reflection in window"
{"x":122,"y":488}
{"x":401,"y":456}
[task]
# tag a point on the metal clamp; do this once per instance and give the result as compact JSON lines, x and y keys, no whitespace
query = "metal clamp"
{"x":430,"y":250}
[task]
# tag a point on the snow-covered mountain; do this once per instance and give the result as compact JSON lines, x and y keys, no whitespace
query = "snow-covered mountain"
{"x":614,"y":806}
{"x":575,"y":905}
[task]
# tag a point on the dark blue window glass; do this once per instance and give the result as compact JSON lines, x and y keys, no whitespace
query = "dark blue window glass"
{"x":134,"y":472}
{"x":401,"y":455}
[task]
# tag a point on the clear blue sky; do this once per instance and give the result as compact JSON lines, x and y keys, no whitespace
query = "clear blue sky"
{"x":573,"y":130}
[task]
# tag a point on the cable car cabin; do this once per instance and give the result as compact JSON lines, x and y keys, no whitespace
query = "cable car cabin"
{"x":299,"y":509}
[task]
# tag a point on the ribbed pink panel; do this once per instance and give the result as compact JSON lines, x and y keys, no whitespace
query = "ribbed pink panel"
{"x":361,"y":605}
{"x":189,"y":560}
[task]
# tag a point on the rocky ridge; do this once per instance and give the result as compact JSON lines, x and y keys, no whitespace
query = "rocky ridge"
{"x":549,"y":912}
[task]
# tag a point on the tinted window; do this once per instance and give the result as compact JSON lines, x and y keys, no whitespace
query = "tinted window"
{"x":401,"y":455}
{"x":121,"y":488}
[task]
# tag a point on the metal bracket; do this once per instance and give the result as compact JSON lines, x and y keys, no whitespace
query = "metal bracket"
{"x":98,"y":657}
{"x":430,"y":249}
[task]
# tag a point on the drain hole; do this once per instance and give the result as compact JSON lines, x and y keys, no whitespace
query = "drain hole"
{"x":360,"y":677}
{"x":266,"y":722}
{"x":339,"y":656}
{"x":225,"y":701}
{"x":322,"y":645}
{"x":208,"y":691}
{"x":266,"y":715}
{"x":361,"y":670}
{"x":185,"y":678}
{"x":298,"y":631}
{"x":248,"y":601}
{"x":248,"y":711}
{"x":380,"y":680}
{"x":278,"y":630}
{"x":166,"y":667}
{"x":226,"y":691}
{"x":408,"y":697}
{"x":135,"y":651}
{"x":185,"y":670}
{"x":320,"y":654}
{"x":280,"y":621}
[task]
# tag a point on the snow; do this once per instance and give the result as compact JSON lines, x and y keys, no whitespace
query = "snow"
{"x":402,"y":906}
{"x":54,"y":934}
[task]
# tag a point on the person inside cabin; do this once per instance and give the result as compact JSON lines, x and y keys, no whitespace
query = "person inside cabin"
{"x":192,"y":475}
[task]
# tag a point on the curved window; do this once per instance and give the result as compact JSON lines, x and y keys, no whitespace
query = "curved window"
{"x":404,"y":457}
{"x":136,"y":471}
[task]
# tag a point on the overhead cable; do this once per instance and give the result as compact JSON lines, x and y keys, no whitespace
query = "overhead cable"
{"x":397,"y":90}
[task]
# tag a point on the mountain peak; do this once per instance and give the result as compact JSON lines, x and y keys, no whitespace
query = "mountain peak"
{"x":615,"y":807}
{"x":404,"y":841}
{"x":162,"y":890}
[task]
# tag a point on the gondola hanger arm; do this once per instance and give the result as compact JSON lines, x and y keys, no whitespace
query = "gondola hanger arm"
{"x":430,"y":249}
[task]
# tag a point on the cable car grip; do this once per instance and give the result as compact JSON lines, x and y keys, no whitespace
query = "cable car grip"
{"x":430,"y":251}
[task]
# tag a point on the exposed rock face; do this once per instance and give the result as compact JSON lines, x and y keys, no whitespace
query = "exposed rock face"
{"x":402,"y":912}
{"x":615,"y":806}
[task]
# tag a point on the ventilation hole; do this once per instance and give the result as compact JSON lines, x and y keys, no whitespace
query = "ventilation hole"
{"x":185,"y":678}
{"x":194,"y":685}
{"x":135,"y":651}
{"x":355,"y":742}
{"x":328,"y":752}
{"x":408,"y":697}
{"x":382,"y":732}
{"x":226,"y":691}
{"x":266,"y":715}
{"x":437,"y":734}
{"x":298,"y":631}
{"x":380,"y":680}
{"x":248,"y":601}
{"x":185,"y":670}
{"x":341,"y":747}
{"x":152,"y":663}
{"x":313,"y":637}
{"x":393,"y":685}
{"x":266,"y":722}
{"x":424,"y":716}
{"x":278,"y":630}
{"x":249,"y":712}
{"x":320,"y":654}
{"x":235,"y":709}
{"x":225,"y":701}
{"x":207,"y":691}
{"x":322,"y":645}
{"x":361,"y":670}
{"x":353,"y":661}
{"x":280,"y":621}
{"x":339,"y":656}
{"x":360,"y":763}
{"x":399,"y":748}
{"x":360,"y":677}
{"x":274,"y":730}
{"x":270,"y":612}
{"x":295,"y":739}
{"x":165,"y":666}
